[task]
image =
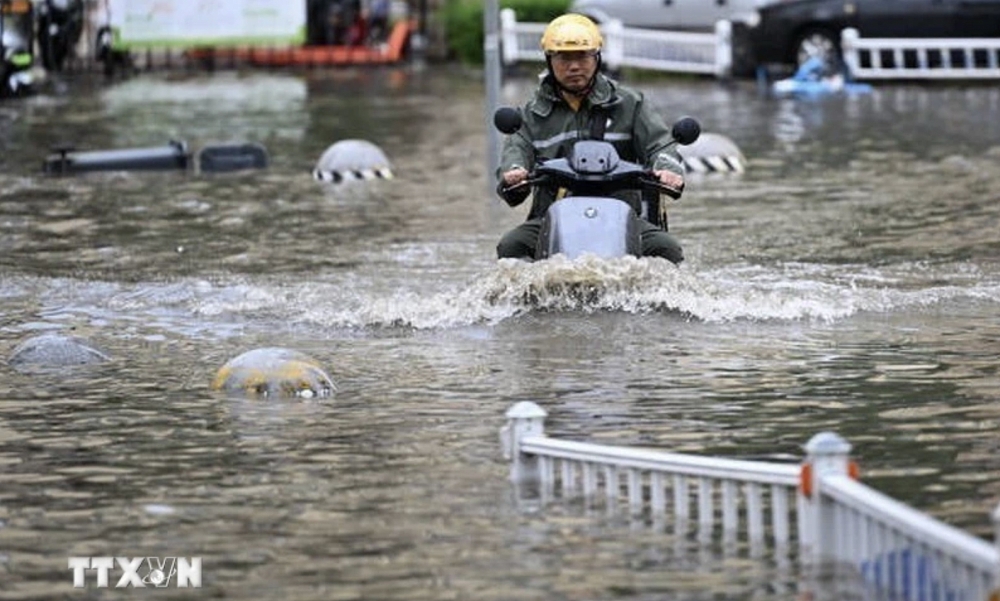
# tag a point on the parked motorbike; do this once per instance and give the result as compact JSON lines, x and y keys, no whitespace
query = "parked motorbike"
{"x":16,"y":43}
{"x":588,"y":219}
{"x":60,"y":25}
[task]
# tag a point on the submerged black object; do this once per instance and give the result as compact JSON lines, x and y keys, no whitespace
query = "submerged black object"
{"x":216,"y":158}
{"x":231,"y":157}
{"x":157,"y":158}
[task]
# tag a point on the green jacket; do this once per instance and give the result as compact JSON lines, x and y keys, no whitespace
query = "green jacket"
{"x":551,"y":127}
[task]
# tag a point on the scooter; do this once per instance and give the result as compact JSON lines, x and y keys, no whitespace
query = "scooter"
{"x":16,"y":42}
{"x":60,"y":25}
{"x":588,"y":219}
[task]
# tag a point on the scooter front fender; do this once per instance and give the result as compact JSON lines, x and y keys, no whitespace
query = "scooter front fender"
{"x":577,"y":225}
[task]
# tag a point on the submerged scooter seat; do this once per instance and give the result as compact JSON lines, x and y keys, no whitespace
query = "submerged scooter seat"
{"x":605,"y":227}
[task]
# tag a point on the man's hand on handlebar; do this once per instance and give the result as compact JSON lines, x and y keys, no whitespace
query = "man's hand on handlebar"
{"x":670,"y":180}
{"x":515,"y":176}
{"x":506,"y":188}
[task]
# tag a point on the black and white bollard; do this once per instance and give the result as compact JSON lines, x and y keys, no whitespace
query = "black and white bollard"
{"x":352,"y":160}
{"x":712,"y":153}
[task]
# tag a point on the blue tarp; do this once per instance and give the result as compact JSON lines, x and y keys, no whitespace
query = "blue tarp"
{"x":815,"y":78}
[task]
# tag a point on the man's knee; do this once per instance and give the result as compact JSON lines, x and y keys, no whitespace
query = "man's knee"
{"x":519,"y":243}
{"x":510,"y":248}
{"x":657,"y":243}
{"x":672,"y":253}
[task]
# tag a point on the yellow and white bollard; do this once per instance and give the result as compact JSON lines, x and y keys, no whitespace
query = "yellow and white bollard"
{"x":274,"y":372}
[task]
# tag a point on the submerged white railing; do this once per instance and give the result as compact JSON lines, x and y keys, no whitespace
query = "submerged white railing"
{"x":920,"y":58}
{"x":683,"y":52}
{"x":815,"y":512}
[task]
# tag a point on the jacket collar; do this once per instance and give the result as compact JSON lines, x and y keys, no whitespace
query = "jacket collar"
{"x":603,"y":94}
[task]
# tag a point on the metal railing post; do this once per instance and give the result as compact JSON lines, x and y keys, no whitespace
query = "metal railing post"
{"x":996,"y":542}
{"x":723,"y":49}
{"x":508,"y":36}
{"x":523,"y":420}
{"x":614,"y":44}
{"x":849,"y":50}
{"x":826,"y":454}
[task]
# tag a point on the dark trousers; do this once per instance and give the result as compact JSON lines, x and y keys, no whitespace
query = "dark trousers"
{"x":521,"y":241}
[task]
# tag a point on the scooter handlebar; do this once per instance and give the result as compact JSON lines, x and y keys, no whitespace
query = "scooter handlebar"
{"x":650,"y":181}
{"x":519,"y":191}
{"x":515,"y":194}
{"x":531,"y":180}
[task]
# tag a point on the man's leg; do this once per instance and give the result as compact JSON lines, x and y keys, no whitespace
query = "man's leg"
{"x":658,"y":243}
{"x":520,"y":242}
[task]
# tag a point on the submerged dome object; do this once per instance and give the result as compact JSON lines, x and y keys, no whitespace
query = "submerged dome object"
{"x":274,"y":371}
{"x":712,"y":153}
{"x":352,"y":160}
{"x":54,"y":350}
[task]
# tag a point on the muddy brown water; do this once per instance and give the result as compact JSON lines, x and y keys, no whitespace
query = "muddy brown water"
{"x":848,"y":281}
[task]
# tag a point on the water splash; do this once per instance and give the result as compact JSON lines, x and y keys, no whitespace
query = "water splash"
{"x":512,"y":288}
{"x":428,"y":297}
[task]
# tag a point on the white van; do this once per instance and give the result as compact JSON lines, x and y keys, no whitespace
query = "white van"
{"x":678,"y":15}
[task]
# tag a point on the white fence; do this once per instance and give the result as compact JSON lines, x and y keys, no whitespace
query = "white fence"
{"x":920,"y":58}
{"x":712,"y":53}
{"x":707,"y":53}
{"x":816,"y":512}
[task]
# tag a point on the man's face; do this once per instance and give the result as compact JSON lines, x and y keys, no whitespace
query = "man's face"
{"x":574,"y":70}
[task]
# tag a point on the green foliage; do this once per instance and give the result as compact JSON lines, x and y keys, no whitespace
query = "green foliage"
{"x":463,"y":22}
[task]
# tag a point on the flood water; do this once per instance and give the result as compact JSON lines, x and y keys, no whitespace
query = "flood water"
{"x":848,"y":281}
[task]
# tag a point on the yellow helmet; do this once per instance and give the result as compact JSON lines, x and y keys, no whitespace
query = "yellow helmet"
{"x":571,"y":33}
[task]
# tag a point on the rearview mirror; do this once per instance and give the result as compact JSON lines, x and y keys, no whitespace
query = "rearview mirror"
{"x":507,"y":120}
{"x":686,"y":130}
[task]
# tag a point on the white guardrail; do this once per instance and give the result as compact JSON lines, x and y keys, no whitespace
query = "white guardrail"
{"x":920,"y":58}
{"x":712,"y":53}
{"x":708,"y":53}
{"x":816,"y":512}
